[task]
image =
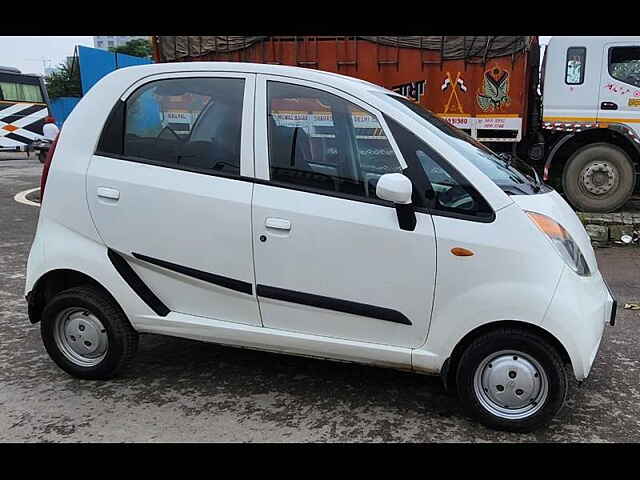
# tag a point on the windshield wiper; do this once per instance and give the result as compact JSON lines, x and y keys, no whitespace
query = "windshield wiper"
{"x":538,"y":184}
{"x":508,"y":159}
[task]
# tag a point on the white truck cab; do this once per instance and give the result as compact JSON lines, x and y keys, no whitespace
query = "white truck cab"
{"x":591,"y":110}
{"x":313,"y":214}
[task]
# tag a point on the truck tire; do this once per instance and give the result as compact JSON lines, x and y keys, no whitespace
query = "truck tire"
{"x":510,"y":379}
{"x":599,"y":177}
{"x":86,"y":333}
{"x":42,"y":156}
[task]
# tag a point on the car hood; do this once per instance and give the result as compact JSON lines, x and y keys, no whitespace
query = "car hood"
{"x":554,"y":206}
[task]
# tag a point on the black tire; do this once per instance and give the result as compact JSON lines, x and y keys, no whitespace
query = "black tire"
{"x":620,"y":192}
{"x":122,"y":338}
{"x":529,"y":344}
{"x":42,"y":156}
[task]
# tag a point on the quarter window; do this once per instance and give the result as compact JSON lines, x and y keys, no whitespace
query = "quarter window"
{"x":624,"y":64}
{"x":323,"y":142}
{"x":191,"y":122}
{"x":574,"y":73}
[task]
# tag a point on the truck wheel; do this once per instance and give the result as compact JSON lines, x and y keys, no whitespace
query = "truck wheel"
{"x":512,"y":380}
{"x":42,"y":156}
{"x":86,"y":334}
{"x":599,"y":178}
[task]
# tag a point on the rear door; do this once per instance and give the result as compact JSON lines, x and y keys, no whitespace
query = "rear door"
{"x":620,"y":84}
{"x":330,"y":257}
{"x":166,"y":191}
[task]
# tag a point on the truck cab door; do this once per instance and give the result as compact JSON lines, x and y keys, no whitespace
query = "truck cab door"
{"x":619,"y":95}
{"x":571,"y":77}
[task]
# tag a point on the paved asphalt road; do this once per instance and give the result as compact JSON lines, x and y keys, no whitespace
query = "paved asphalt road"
{"x":182,"y":391}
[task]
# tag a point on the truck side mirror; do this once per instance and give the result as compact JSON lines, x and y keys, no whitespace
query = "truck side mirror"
{"x":397,"y":188}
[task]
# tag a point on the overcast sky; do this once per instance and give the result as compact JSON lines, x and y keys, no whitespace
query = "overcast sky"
{"x":26,"y":53}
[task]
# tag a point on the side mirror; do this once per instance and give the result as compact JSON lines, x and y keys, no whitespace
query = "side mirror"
{"x":396,"y":188}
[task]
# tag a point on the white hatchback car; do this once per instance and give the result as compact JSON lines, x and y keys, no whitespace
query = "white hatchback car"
{"x":309,"y":213}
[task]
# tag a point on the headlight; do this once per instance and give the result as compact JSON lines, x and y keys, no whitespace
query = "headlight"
{"x":562,"y":241}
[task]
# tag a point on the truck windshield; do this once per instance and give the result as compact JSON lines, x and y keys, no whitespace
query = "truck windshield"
{"x":513,"y":176}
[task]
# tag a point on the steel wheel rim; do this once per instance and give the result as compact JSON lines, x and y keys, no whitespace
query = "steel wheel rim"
{"x":511,"y":385}
{"x":598,"y":178}
{"x":80,"y":336}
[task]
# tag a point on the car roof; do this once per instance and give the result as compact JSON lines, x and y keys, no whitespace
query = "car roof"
{"x":336,"y":80}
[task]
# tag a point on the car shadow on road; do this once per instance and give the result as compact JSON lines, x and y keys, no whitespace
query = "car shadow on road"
{"x":188,"y":367}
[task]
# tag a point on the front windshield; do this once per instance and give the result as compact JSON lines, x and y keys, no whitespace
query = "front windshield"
{"x":513,"y":176}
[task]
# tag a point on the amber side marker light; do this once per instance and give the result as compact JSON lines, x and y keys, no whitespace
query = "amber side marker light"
{"x":461,"y":252}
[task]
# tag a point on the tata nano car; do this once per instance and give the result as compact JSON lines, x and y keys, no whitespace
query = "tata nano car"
{"x":309,"y":213}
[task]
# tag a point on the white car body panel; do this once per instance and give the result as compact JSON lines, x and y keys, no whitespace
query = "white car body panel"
{"x":514,"y":274}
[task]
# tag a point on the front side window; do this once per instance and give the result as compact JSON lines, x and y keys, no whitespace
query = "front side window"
{"x":20,"y":92}
{"x":574,"y":72}
{"x":323,"y":142}
{"x":624,"y":64}
{"x":449,"y":190}
{"x":190,"y":122}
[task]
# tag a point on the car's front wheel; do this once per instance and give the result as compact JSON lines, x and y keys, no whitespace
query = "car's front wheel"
{"x":86,"y":333}
{"x":511,"y":379}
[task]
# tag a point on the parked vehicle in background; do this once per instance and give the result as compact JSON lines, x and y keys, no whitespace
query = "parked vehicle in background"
{"x":581,"y":134}
{"x":24,"y":109}
{"x":298,"y":211}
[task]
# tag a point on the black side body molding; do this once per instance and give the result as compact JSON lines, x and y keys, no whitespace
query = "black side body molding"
{"x":226,"y":282}
{"x":336,"y":304}
{"x":136,"y":284}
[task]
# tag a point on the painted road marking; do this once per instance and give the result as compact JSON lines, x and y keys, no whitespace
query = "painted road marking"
{"x":21,"y":197}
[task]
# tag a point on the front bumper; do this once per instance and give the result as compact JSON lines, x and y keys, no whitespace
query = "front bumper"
{"x":580,"y":308}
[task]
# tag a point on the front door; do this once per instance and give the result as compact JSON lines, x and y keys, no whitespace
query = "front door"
{"x":330,"y":257}
{"x":172,"y":203}
{"x":620,"y":85}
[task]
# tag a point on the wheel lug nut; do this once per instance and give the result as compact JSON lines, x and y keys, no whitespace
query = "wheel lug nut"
{"x":500,"y":388}
{"x":512,"y":374}
{"x":88,"y":344}
{"x":81,"y":328}
{"x":519,"y":392}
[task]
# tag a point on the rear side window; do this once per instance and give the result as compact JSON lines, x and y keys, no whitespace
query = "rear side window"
{"x":574,"y":72}
{"x":187,"y":122}
{"x":450,"y":193}
{"x":624,"y":64}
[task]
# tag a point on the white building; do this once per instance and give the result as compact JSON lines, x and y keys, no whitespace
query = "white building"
{"x":105,"y":42}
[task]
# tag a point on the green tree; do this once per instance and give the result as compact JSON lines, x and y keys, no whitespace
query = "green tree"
{"x":138,"y":47}
{"x":64,"y":81}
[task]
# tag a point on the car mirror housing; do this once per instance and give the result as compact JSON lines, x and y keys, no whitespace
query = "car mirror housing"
{"x":395,"y":187}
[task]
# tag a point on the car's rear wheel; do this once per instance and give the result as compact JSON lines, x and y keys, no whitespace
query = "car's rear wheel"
{"x":86,"y":333}
{"x":511,"y":379}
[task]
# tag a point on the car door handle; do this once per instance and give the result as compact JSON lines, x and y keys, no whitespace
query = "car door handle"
{"x":277,"y":223}
{"x":608,"y":106}
{"x":110,"y":193}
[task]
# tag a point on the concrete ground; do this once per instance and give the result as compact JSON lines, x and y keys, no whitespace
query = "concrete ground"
{"x":186,"y":391}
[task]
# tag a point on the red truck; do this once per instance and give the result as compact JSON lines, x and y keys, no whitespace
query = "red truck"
{"x":487,"y":86}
